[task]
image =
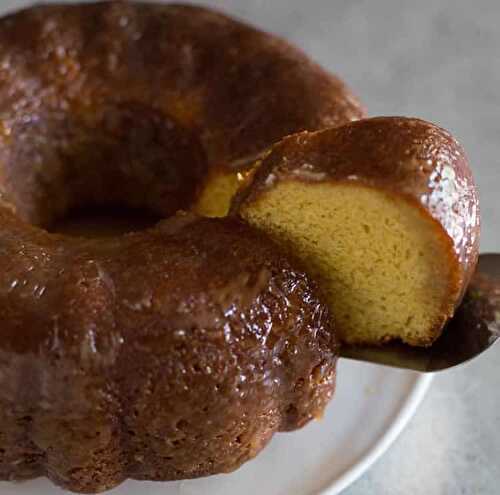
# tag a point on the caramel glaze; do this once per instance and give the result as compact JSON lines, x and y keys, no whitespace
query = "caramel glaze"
{"x":404,"y":156}
{"x":171,"y":353}
{"x":83,"y":87}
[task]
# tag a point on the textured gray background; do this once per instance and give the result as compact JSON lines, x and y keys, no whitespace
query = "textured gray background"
{"x":438,"y":60}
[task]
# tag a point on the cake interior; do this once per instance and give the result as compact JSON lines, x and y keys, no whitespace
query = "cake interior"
{"x":217,"y":193}
{"x":381,"y":260}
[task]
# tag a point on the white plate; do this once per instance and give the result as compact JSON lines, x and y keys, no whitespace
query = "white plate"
{"x":371,"y":407}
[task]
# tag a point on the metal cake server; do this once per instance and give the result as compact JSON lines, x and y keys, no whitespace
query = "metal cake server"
{"x":474,"y":328}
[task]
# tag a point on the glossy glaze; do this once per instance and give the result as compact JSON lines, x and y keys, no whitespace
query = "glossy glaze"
{"x":88,"y":85}
{"x":405,"y":156}
{"x":172,"y":353}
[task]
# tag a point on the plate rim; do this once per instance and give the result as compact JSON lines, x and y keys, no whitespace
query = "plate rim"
{"x":399,"y":422}
{"x":418,"y":386}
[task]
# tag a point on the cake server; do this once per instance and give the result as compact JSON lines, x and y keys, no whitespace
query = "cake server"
{"x":474,"y":328}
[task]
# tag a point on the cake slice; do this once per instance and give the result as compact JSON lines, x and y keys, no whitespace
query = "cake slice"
{"x":384,"y":212}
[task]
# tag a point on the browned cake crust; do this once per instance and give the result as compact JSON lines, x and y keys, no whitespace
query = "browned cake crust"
{"x":172,"y":353}
{"x":405,"y":156}
{"x":179,"y":351}
{"x":84,"y":85}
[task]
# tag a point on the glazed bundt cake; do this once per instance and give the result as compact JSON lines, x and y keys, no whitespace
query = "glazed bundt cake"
{"x":384,"y":213}
{"x":176,"y":351}
{"x":171,"y":353}
{"x":85,"y":85}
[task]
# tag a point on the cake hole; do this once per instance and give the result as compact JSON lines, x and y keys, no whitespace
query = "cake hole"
{"x":122,"y":154}
{"x":104,"y":222}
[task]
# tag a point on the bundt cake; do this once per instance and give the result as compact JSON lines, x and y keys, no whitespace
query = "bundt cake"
{"x":176,"y":351}
{"x":171,"y":353}
{"x":85,"y":85}
{"x":383,"y":212}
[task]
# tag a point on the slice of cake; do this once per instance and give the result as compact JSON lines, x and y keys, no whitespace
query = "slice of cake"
{"x":384,"y":212}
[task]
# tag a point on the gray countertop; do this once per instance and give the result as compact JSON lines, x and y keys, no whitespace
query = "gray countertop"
{"x":439,"y":60}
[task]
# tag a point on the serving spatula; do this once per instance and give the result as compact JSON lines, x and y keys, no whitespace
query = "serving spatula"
{"x":474,"y":328}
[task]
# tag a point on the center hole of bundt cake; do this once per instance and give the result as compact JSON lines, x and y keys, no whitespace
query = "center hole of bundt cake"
{"x":104,"y":222}
{"x":107,"y":168}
